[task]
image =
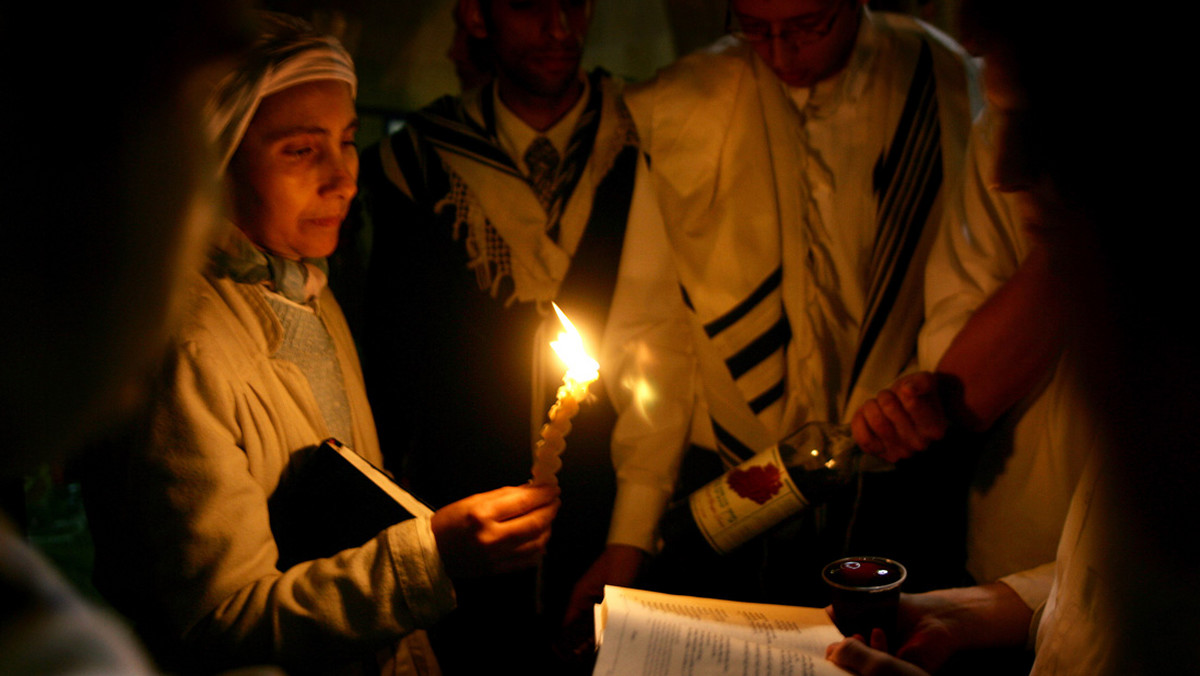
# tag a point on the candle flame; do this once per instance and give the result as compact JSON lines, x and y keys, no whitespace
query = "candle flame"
{"x":569,"y":347}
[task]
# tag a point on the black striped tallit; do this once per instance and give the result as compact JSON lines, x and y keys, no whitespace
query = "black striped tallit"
{"x":768,"y":344}
{"x":907,"y":179}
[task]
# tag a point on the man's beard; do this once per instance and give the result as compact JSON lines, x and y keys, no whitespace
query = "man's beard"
{"x":545,"y":82}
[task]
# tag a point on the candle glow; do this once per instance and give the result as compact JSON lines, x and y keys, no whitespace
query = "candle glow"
{"x":582,"y":370}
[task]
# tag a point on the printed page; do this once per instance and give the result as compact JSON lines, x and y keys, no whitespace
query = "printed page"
{"x":655,"y":634}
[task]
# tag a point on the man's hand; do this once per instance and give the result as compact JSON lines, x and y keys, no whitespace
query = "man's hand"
{"x":495,"y":532}
{"x":935,"y":625}
{"x":618,"y":565}
{"x":901,"y":420}
{"x":940,"y":623}
{"x":856,"y":657}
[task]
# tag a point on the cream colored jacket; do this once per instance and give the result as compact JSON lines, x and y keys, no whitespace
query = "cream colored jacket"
{"x":197,"y":555}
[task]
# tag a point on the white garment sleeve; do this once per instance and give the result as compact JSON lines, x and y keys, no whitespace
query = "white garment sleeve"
{"x":649,"y":369}
{"x":1033,"y":586}
{"x":978,"y":249}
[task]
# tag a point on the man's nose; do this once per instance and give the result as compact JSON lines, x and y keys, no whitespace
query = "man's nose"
{"x":1019,"y":159}
{"x":1014,"y":169}
{"x":783,"y":54}
{"x":558,"y":25}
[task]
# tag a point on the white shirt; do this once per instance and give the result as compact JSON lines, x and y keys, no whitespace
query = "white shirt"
{"x":516,"y":135}
{"x":1032,"y":458}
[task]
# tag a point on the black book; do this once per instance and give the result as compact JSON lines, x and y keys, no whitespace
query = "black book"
{"x":331,"y":499}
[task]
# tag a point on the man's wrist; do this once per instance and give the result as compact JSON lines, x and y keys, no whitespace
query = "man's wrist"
{"x":992,"y":616}
{"x":636,"y":512}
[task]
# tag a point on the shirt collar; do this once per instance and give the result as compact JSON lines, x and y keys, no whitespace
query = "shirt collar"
{"x":515,"y":135}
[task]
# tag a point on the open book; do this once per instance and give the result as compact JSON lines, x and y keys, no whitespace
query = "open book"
{"x":653,"y":634}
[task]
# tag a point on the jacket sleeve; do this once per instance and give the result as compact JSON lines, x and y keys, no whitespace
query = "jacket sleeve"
{"x":648,"y":339}
{"x":977,"y":250}
{"x":212,"y":557}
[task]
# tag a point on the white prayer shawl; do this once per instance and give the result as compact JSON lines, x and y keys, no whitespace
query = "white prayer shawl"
{"x":537,"y":263}
{"x":734,"y":181}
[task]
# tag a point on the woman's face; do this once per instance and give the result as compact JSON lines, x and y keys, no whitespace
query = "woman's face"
{"x":296,"y":170}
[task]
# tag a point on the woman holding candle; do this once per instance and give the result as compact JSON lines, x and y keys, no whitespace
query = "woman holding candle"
{"x":262,"y":369}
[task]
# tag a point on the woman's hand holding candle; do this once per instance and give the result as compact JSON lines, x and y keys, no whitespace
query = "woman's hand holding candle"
{"x":495,"y":532}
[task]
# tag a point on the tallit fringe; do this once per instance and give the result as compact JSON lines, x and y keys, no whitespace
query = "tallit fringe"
{"x":470,"y":226}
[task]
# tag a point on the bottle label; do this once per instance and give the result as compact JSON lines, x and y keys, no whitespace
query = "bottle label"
{"x":746,"y":501}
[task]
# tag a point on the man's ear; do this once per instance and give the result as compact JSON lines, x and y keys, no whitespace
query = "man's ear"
{"x":472,"y":17}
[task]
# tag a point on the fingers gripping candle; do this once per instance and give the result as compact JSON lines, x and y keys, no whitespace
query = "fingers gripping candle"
{"x":582,"y":370}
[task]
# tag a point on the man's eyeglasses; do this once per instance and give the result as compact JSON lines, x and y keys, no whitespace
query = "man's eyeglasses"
{"x":801,"y":30}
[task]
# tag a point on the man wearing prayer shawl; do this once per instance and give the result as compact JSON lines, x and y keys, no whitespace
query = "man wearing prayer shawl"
{"x":482,"y":210}
{"x":801,"y":164}
{"x":261,"y":371}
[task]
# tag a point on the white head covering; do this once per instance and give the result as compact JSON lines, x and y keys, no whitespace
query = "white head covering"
{"x":288,"y":51}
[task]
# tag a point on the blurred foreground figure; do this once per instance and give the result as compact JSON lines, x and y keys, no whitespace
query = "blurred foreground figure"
{"x":261,"y":370}
{"x":1119,"y":598}
{"x":109,"y":196}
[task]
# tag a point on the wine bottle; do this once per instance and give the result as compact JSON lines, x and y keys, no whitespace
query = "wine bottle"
{"x":804,"y":469}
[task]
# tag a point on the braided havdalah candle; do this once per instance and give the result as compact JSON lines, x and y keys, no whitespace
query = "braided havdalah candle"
{"x":582,"y":370}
